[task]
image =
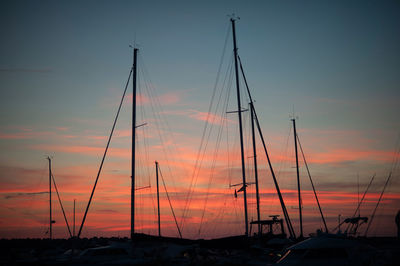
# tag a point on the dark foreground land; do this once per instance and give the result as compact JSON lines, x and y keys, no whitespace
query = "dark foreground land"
{"x":147,"y":250}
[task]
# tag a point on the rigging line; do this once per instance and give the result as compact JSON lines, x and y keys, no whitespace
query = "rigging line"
{"x":377,"y":204}
{"x":203,"y":146}
{"x":201,"y":153}
{"x":284,"y":210}
{"x":219,"y":218}
{"x":393,"y":168}
{"x":396,"y":155}
{"x":245,"y":80}
{"x":282,"y":164}
{"x":169,"y":201}
{"x":42,"y":173}
{"x":149,"y":175}
{"x":145,"y":129}
{"x":210,"y":181}
{"x":358,"y":191}
{"x":155,"y":104}
{"x":211,"y":102}
{"x":248,"y":151}
{"x":395,"y":161}
{"x":157,"y":119}
{"x":208,"y":114}
{"x":284,"y":154}
{"x":312,"y":184}
{"x":105,"y":153}
{"x":163,"y":123}
{"x":160,"y":123}
{"x":222,"y":121}
{"x":62,"y":208}
{"x":225,"y":126}
{"x":144,"y":132}
{"x":362,"y":198}
{"x":227,"y":149}
{"x":159,"y":133}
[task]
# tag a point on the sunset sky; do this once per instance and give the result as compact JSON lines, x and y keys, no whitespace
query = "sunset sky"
{"x":63,"y":68}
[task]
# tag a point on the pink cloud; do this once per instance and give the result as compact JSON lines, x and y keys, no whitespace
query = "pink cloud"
{"x":201,"y":116}
{"x":170,"y":98}
{"x":343,"y":155}
{"x":62,"y":128}
{"x":212,"y":118}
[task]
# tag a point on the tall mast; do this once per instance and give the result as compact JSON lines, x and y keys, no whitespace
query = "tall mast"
{"x":74,"y":219}
{"x":240,"y":129}
{"x":50,"y":217}
{"x":134,"y":67}
{"x":158,"y":202}
{"x":104,"y":154}
{"x":255,"y":166}
{"x":298,"y":177}
{"x":284,"y":210}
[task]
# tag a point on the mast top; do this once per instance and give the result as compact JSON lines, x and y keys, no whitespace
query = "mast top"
{"x":293,"y":115}
{"x":135,"y":46}
{"x":233,"y":17}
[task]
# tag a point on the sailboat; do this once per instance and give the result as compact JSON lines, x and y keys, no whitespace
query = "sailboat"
{"x":274,"y":222}
{"x":133,"y":73}
{"x":255,"y":124}
{"x":255,"y":129}
{"x":133,"y":234}
{"x":52,"y":181}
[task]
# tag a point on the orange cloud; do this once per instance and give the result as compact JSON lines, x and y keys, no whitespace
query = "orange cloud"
{"x":342,"y":155}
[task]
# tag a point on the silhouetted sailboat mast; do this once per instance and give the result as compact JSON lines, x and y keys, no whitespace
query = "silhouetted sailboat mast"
{"x":104,"y":156}
{"x":312,"y":183}
{"x":51,"y":221}
{"x":255,"y":117}
{"x":253,"y":135}
{"x":134,"y":70}
{"x":240,"y":129}
{"x":73,"y":234}
{"x":50,"y":214}
{"x":298,"y":177}
{"x":158,"y":201}
{"x":133,"y":73}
